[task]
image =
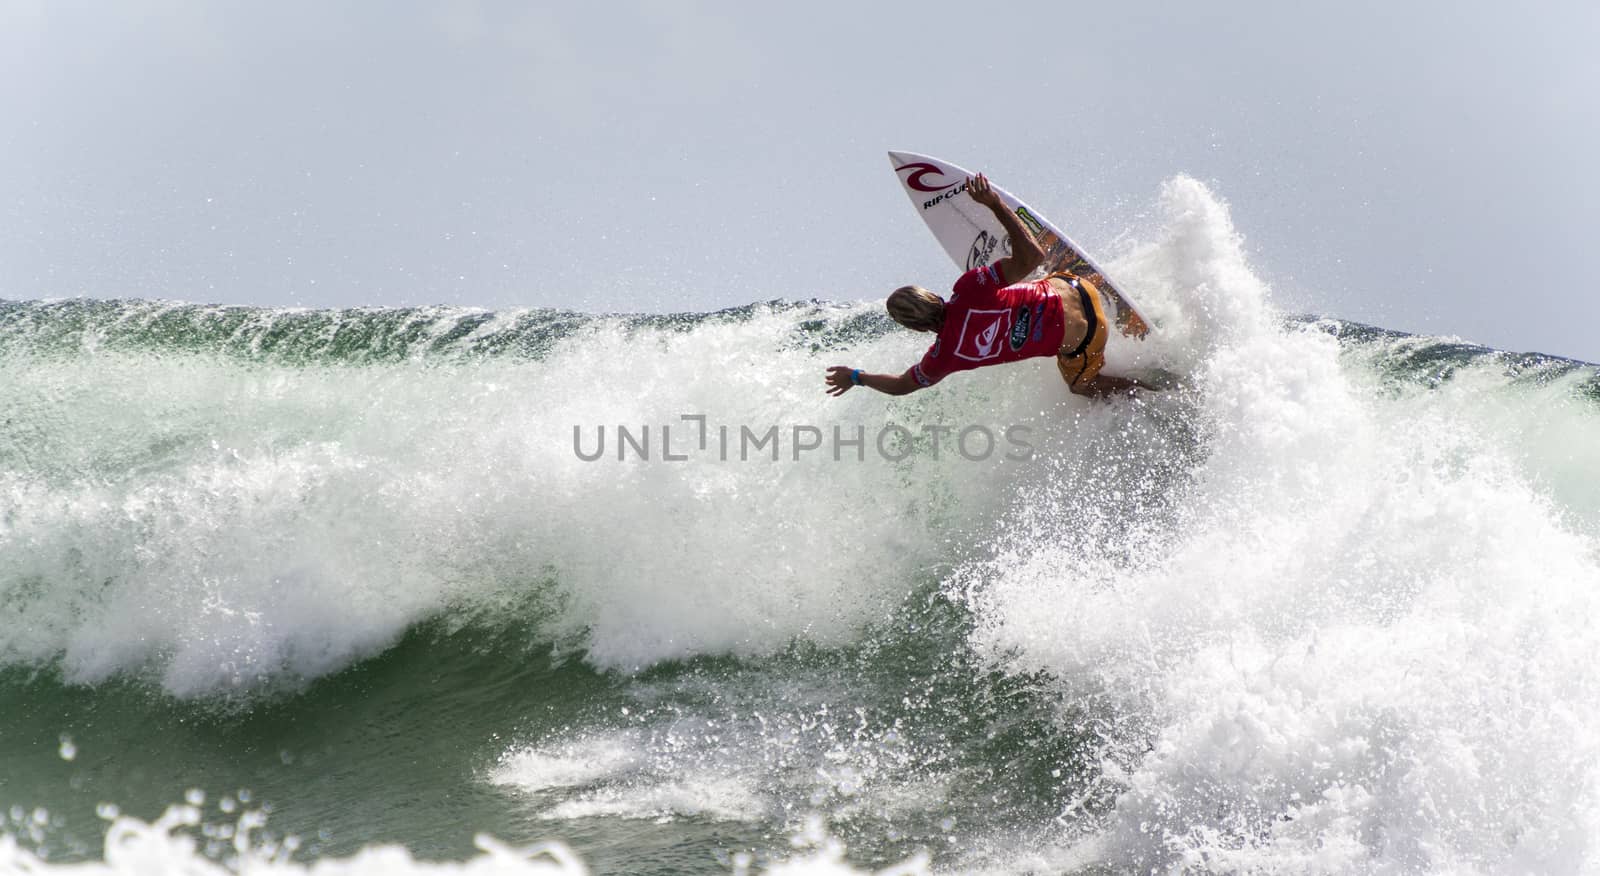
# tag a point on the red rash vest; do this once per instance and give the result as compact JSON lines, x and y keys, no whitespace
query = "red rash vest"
{"x":986,"y":323}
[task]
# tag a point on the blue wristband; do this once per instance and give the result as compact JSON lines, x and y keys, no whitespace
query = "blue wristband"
{"x":855,"y":376}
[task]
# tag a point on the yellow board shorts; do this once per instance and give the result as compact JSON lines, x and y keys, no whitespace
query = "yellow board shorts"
{"x":1084,"y":362}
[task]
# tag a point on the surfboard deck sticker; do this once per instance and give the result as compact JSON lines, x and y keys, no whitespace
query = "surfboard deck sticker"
{"x":972,"y":236}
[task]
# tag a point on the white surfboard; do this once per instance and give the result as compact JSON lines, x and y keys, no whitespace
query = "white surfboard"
{"x":972,"y":236}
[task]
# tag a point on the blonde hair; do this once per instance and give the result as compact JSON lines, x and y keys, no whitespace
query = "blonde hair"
{"x":916,"y":308}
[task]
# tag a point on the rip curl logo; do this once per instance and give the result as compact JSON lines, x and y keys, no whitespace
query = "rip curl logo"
{"x":940,"y":198}
{"x":920,"y":169}
{"x":980,"y":334}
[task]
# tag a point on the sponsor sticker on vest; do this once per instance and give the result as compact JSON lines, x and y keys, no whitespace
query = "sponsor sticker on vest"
{"x":1020,"y":326}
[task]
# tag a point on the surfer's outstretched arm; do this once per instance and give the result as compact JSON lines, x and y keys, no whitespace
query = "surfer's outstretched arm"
{"x":1026,"y":254}
{"x":841,"y":378}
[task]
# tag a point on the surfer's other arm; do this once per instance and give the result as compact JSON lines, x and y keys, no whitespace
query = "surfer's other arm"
{"x":1026,"y":254}
{"x":841,"y":378}
{"x":1106,"y":386}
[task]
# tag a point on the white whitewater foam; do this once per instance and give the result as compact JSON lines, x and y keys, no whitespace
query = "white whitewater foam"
{"x":225,"y":523}
{"x":571,"y":763}
{"x":617,"y":774}
{"x":1365,"y":641}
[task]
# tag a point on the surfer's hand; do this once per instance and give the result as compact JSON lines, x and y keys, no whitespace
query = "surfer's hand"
{"x":839,"y":381}
{"x":978,"y":188}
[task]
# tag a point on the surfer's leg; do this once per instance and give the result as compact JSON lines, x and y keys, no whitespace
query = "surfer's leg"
{"x":1081,"y":370}
{"x":1071,"y":369}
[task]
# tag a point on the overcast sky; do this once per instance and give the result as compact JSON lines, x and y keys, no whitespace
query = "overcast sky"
{"x":1423,"y":166}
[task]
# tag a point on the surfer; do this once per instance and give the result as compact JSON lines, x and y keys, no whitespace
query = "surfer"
{"x":993,"y":317}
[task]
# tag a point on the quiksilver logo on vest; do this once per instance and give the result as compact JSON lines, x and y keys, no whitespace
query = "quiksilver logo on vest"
{"x":981,"y":331}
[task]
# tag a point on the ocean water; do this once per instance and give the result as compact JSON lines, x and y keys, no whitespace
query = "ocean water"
{"x":284,"y":590}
